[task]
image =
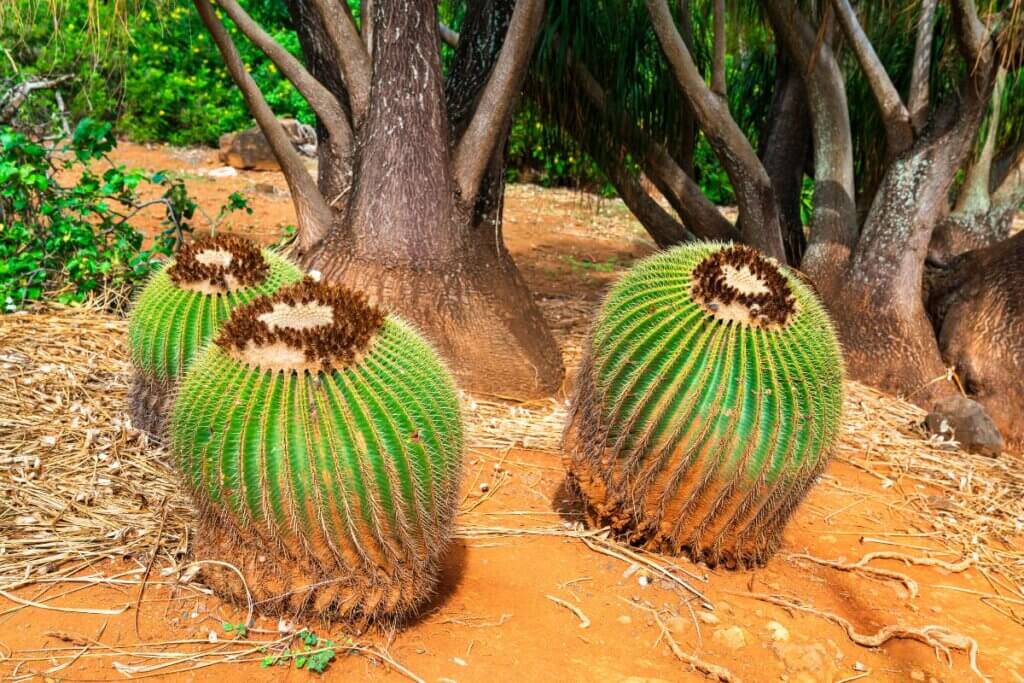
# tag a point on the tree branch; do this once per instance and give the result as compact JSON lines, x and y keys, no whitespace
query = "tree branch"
{"x":313,"y":214}
{"x":898,"y":131}
{"x":974,"y":193}
{"x":971,"y":34}
{"x":698,"y":214}
{"x":449,"y":36}
{"x":1010,"y":191}
{"x":366,"y":22}
{"x":760,"y":223}
{"x":718,"y":84}
{"x":834,"y":220}
{"x":323,"y":102}
{"x":495,"y":104}
{"x":355,"y":60}
{"x":13,"y":99}
{"x":920,"y":78}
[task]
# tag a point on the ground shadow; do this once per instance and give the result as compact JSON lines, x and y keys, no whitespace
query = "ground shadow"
{"x":452,"y":572}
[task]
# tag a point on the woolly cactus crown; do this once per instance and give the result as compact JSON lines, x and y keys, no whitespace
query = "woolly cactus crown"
{"x":708,"y":401}
{"x":326,"y":436}
{"x":184,"y":303}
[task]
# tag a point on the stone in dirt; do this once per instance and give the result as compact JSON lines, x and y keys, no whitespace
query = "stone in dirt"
{"x":733,"y":637}
{"x":964,"y":420}
{"x":249,"y":149}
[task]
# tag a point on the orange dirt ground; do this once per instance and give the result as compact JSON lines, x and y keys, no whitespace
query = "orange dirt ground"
{"x":496,"y":617}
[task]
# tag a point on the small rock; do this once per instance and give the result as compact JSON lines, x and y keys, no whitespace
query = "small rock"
{"x":777,"y":631}
{"x":965,"y":421}
{"x":249,"y":149}
{"x":625,"y":619}
{"x":677,"y":625}
{"x":917,"y":675}
{"x":805,"y":658}
{"x":222,"y":172}
{"x":708,"y":617}
{"x":733,"y":637}
{"x":460,"y":661}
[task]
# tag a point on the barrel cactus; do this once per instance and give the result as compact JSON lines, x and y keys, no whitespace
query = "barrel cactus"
{"x":708,"y":400}
{"x":322,"y":443}
{"x":181,"y":308}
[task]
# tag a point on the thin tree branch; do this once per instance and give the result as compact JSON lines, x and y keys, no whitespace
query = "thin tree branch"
{"x":366,"y":23}
{"x":718,"y":84}
{"x":898,"y":131}
{"x":834,"y":220}
{"x":920,"y":78}
{"x":355,"y":60}
{"x":495,"y":104}
{"x":679,"y":189}
{"x":974,"y":193}
{"x":970,"y":32}
{"x":13,"y":99}
{"x":323,"y":102}
{"x":760,"y":223}
{"x":449,"y":36}
{"x":313,"y":214}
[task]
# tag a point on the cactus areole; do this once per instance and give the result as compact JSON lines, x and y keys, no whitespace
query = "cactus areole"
{"x":322,"y":442}
{"x":183,"y":306}
{"x":708,"y":401}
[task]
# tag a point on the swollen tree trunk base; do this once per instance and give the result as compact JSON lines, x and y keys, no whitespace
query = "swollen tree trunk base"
{"x":977,"y":305}
{"x":288,"y":585}
{"x":478,"y":314}
{"x":149,"y":403}
{"x":888,"y":346}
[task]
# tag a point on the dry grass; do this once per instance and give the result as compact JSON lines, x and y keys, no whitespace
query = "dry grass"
{"x":79,"y":486}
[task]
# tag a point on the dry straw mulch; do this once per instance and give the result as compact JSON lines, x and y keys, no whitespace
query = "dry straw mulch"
{"x":78,"y":485}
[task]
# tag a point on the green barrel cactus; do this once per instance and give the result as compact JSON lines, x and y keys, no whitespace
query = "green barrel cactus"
{"x":322,"y":444}
{"x":181,"y":308}
{"x":708,"y":401}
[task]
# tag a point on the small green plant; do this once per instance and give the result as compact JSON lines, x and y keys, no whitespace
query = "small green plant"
{"x":609,"y":265}
{"x":65,"y":226}
{"x":315,"y":655}
{"x":239,"y":630}
{"x":707,"y":404}
{"x":327,"y":437}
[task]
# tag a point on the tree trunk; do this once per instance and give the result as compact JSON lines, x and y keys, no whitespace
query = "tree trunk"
{"x":784,"y":148}
{"x":887,"y":336}
{"x":977,"y":305}
{"x":412,"y":245}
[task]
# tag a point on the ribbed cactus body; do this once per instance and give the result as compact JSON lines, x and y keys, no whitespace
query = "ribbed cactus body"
{"x":173,"y":319}
{"x":332,"y":488}
{"x":708,"y":401}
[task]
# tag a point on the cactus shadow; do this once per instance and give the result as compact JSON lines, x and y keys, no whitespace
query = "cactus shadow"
{"x":568,"y":503}
{"x":452,"y":571}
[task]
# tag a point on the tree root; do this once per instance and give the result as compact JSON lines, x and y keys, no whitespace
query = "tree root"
{"x":939,"y":638}
{"x":909,"y":583}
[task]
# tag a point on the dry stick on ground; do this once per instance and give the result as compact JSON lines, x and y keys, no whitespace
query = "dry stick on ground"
{"x":939,"y":638}
{"x":584,"y":620}
{"x":712,"y":671}
{"x":861,"y":566}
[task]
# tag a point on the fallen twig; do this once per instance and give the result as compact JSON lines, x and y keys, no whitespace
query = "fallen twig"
{"x":584,"y":620}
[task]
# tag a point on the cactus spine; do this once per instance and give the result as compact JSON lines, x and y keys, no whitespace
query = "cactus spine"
{"x":181,"y":308}
{"x":708,"y":401}
{"x":322,"y":444}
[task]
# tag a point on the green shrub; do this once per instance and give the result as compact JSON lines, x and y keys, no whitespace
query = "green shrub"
{"x":74,"y":238}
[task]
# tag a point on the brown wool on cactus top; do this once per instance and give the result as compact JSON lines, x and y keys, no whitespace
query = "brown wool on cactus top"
{"x":738,"y":284}
{"x":218,"y":264}
{"x":309,"y":325}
